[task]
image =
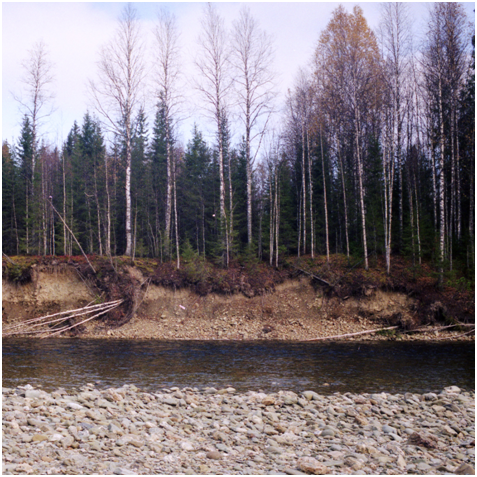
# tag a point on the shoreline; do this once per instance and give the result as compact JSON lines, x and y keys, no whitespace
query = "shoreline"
{"x":294,"y":310}
{"x":304,"y":330}
{"x":125,"y":431}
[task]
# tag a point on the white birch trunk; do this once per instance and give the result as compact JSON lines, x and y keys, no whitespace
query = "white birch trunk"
{"x":272,"y":218}
{"x":417,"y":223}
{"x":441,"y":185}
{"x":361,"y":192}
{"x":128,"y":251}
{"x":178,"y":252}
{"x":168,"y":190}
{"x":344,"y":196}
{"x":65,"y":250}
{"x":303,"y":178}
{"x":108,"y":210}
{"x":277,"y":218}
{"x":310,"y":181}
{"x":325,"y":200}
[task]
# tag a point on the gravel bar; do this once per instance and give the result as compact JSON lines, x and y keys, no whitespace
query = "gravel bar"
{"x":124,"y":431}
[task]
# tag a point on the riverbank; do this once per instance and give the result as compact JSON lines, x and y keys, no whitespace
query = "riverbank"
{"x":125,"y":431}
{"x":239,"y":303}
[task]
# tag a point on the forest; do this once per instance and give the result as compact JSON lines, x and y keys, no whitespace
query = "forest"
{"x":374,"y":156}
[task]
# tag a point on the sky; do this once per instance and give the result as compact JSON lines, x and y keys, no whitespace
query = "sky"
{"x":75,"y":32}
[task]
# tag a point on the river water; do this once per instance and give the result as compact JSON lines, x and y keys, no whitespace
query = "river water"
{"x":359,"y":367}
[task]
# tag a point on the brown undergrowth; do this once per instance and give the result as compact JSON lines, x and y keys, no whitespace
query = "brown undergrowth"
{"x":123,"y":278}
{"x":450,"y":303}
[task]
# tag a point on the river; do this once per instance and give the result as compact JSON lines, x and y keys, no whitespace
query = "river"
{"x":358,"y":367}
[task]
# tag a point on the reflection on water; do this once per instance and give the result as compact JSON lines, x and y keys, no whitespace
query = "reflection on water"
{"x":268,"y":366}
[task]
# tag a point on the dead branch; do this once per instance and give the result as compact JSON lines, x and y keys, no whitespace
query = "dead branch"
{"x":456,"y":336}
{"x":352,"y":334}
{"x":80,"y":323}
{"x":424,"y":330}
{"x":73,"y":235}
{"x":315,"y":277}
{"x":27,"y":328}
{"x":67,"y":312}
{"x":47,"y":323}
{"x":9,"y":260}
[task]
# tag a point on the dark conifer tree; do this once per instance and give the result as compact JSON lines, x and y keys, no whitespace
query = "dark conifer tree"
{"x":11,"y":201}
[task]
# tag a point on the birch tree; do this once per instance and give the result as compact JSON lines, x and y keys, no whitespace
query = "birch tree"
{"x":444,"y":64}
{"x":349,"y":56}
{"x":252,"y":57}
{"x":117,"y":93}
{"x":396,"y":40}
{"x":214,"y":82}
{"x":35,"y":99}
{"x":168,"y":82}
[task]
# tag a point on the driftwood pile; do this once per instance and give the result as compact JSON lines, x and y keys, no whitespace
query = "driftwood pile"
{"x":51,"y":325}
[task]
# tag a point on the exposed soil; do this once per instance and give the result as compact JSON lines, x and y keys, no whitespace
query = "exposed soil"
{"x":242,"y":303}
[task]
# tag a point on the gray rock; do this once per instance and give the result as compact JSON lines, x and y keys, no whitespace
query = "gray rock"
{"x":274,"y":450}
{"x":452,"y":390}
{"x":465,"y":469}
{"x":214,"y":455}
{"x":171,"y":401}
{"x":123,"y":471}
{"x":423,"y":466}
{"x":34,"y":394}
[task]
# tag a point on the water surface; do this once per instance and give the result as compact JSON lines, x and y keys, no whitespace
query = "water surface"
{"x":268,"y":366}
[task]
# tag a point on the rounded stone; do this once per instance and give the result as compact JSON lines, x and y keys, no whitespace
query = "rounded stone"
{"x":214,"y":455}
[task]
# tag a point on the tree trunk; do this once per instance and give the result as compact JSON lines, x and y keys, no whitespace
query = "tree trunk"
{"x":128,"y":190}
{"x":310,"y":182}
{"x":231,"y":205}
{"x":277,"y":218}
{"x":223,"y":217}
{"x":459,"y":199}
{"x":441,"y":186}
{"x":98,"y":210}
{"x":417,"y":223}
{"x":65,"y":251}
{"x":434,"y":182}
{"x":388,"y":170}
{"x":249,"y":178}
{"x":325,"y":200}
{"x":303,"y":187}
{"x":411,"y":214}
{"x":178,"y":252}
{"x":108,"y":210}
{"x":168,"y":191}
{"x":361,"y":192}
{"x":272,"y":217}
{"x":344,"y":195}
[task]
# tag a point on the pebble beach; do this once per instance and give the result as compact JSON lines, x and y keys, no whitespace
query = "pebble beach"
{"x":124,"y":431}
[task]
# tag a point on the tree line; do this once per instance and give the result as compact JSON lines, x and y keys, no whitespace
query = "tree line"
{"x":374,"y":156}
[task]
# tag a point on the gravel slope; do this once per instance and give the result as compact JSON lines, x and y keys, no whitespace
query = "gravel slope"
{"x":190,"y":431}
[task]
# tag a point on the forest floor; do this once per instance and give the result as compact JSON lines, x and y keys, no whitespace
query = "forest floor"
{"x":304,"y":299}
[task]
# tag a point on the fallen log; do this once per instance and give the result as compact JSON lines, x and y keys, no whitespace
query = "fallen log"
{"x":455,"y":336}
{"x":30,"y":327}
{"x":439,"y":328}
{"x":315,"y":277}
{"x":48,"y":335}
{"x":82,"y":310}
{"x":347,"y":335}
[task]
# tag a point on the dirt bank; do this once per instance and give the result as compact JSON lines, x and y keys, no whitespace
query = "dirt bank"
{"x":295,"y":309}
